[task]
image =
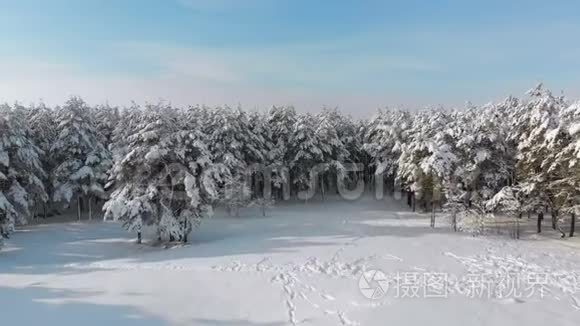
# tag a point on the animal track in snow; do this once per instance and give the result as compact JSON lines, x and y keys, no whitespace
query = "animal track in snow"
{"x":293,"y":288}
{"x":498,"y":269}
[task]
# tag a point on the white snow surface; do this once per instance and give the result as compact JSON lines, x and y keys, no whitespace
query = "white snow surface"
{"x":300,"y":265}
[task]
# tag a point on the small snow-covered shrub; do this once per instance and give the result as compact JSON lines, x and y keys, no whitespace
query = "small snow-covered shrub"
{"x":474,"y":223}
{"x":264,"y":204}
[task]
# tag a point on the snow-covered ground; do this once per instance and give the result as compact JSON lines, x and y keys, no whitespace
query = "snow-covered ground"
{"x":302,"y":264}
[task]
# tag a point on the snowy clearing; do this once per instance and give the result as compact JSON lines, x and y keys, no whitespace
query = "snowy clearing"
{"x":300,"y":265}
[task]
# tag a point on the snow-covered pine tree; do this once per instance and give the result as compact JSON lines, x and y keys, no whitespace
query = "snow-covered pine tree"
{"x":281,"y":121}
{"x":234,"y":147}
{"x":427,"y":159}
{"x":105,"y":118}
{"x":129,"y":120}
{"x":21,"y":171}
{"x":305,"y":153}
{"x":485,"y":160}
{"x":334,"y":152}
{"x":536,"y":119}
{"x":561,"y":163}
{"x":261,"y":141}
{"x":41,"y":120}
{"x":350,"y":132}
{"x":166,"y":180}
{"x":81,"y":160}
{"x":383,"y":141}
{"x":256,"y":147}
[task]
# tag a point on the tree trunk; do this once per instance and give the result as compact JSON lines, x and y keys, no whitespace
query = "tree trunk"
{"x":454,"y":220}
{"x":414,"y":200}
{"x":433,"y":215}
{"x":572,"y":225}
{"x":79,"y":207}
{"x":44,"y":210}
{"x":556,"y":225}
{"x":540,"y":218}
{"x":158,"y":208}
{"x":139,"y":237}
{"x":322,"y":186}
{"x":185,"y":231}
{"x":89,"y":200}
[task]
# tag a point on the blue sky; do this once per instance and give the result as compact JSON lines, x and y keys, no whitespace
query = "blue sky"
{"x":358,"y":55}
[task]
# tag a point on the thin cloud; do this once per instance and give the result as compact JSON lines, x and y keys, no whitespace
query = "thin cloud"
{"x":54,"y":83}
{"x":173,"y":61}
{"x":223,"y":5}
{"x":282,"y":66}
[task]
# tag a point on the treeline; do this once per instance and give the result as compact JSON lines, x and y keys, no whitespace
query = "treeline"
{"x":165,"y":167}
